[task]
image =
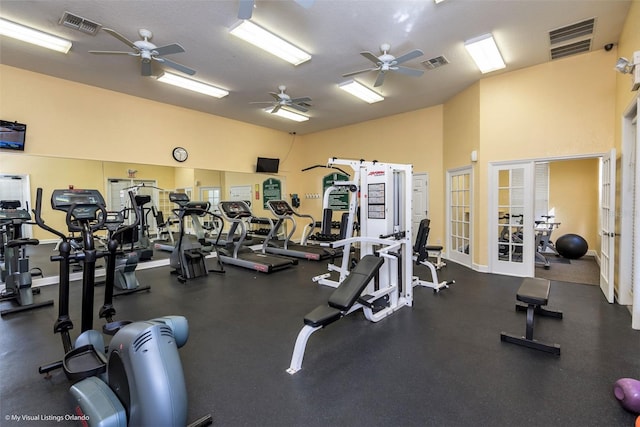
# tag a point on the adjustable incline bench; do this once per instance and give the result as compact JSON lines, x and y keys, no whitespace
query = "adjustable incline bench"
{"x":535,"y":293}
{"x":341,"y":302}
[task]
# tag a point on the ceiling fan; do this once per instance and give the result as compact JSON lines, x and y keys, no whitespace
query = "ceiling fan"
{"x":147,"y":51}
{"x":387,"y":62}
{"x":283,"y":100}
{"x":246,"y":7}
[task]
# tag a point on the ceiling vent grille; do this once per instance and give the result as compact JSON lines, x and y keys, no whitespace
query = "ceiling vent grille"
{"x":436,"y":62}
{"x":79,"y":23}
{"x":573,"y":31}
{"x":571,"y":39}
{"x":571,"y":49}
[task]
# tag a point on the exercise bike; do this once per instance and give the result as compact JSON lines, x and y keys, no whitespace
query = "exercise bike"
{"x":138,"y":380}
{"x":16,"y":273}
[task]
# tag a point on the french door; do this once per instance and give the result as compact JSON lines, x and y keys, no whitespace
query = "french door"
{"x":511,"y":232}
{"x":459,"y":216}
{"x":607,"y":223}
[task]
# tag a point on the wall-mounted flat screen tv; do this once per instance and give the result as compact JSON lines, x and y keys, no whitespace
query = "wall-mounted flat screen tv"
{"x":12,"y":135}
{"x":267,"y":165}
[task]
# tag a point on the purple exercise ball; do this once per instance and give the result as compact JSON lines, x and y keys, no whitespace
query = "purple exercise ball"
{"x":627,"y":391}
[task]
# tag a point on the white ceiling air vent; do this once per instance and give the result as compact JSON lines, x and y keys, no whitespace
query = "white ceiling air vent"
{"x":571,"y":39}
{"x":79,"y":23}
{"x":571,"y":49}
{"x":436,"y":62}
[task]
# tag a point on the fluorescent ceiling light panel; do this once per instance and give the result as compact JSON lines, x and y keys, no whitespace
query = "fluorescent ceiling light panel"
{"x":29,"y":35}
{"x":258,"y":36}
{"x":359,"y":90}
{"x":485,"y":53}
{"x":287,"y":114}
{"x":190,"y":84}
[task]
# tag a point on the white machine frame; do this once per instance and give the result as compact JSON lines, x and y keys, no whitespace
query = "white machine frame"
{"x":385,"y":194}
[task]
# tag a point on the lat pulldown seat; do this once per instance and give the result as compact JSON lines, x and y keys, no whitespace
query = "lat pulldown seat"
{"x":339,"y":305}
{"x":535,"y":293}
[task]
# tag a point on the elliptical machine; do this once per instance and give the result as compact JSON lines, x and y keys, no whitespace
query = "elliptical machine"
{"x":16,"y":273}
{"x":126,"y":262}
{"x":188,"y":258}
{"x":138,"y":381}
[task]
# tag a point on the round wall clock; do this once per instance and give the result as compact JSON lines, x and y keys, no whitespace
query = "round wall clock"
{"x":180,"y":154}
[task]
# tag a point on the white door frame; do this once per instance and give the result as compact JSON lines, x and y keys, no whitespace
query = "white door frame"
{"x":455,"y":255}
{"x":420,"y":211}
{"x":628,"y":292}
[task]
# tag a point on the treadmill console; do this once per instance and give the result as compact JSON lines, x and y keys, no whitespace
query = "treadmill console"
{"x":179,"y":199}
{"x":9,"y":210}
{"x":280,"y":208}
{"x":235,"y":209}
{"x":85,"y":203}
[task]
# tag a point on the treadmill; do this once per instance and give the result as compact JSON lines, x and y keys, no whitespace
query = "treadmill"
{"x":284,"y":212}
{"x":234,"y":253}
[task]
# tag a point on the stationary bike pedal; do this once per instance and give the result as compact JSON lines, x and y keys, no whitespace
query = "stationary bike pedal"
{"x":112,"y":328}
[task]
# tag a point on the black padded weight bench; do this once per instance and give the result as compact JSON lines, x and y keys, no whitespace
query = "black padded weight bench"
{"x":535,"y":293}
{"x":340,"y":303}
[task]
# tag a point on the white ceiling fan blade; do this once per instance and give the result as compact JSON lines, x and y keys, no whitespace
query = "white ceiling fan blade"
{"x":299,"y":100}
{"x":371,"y":57}
{"x":305,"y":3}
{"x":275,"y":95}
{"x":261,"y":102}
{"x":408,"y":71}
{"x":353,"y":73}
{"x":175,"y":65}
{"x":409,"y":56}
{"x":379,"y":79}
{"x":146,"y":68}
{"x":299,"y":108}
{"x":112,"y":52}
{"x":169,"y":49}
{"x":246,"y":9}
{"x":275,"y":109}
{"x":120,"y":37}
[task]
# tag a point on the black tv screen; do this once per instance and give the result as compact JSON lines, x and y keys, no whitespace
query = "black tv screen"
{"x":12,"y":135}
{"x":267,"y":165}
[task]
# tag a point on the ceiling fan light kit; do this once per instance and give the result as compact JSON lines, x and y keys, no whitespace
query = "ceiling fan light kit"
{"x":286,"y":114}
{"x":193,"y":85}
{"x":269,"y":42}
{"x":484,"y":51}
{"x":36,"y":37}
{"x":359,"y":90}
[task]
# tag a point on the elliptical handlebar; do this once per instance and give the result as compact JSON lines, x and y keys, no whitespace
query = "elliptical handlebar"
{"x":136,"y":222}
{"x":37,"y":212}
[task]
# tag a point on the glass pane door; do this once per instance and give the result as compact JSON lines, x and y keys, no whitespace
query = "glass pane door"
{"x":459,"y":222}
{"x":511,"y":233}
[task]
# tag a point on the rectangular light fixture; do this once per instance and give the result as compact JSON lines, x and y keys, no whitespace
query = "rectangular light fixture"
{"x":29,"y":35}
{"x":287,"y":114}
{"x":258,"y":36}
{"x":190,"y":84}
{"x":359,"y":90}
{"x":485,"y":53}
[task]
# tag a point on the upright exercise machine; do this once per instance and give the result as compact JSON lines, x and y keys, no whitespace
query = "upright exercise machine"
{"x":188,"y":258}
{"x":139,"y":380}
{"x":284,"y":213}
{"x":380,"y":283}
{"x":235,"y":253}
{"x":16,"y":273}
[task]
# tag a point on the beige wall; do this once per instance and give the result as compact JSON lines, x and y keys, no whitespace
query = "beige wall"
{"x":410,"y":138}
{"x":559,"y":109}
{"x":72,"y":120}
{"x":573,"y":194}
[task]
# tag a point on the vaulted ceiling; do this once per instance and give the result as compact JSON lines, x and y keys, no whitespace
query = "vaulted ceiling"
{"x":333,"y":32}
